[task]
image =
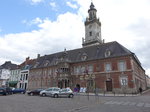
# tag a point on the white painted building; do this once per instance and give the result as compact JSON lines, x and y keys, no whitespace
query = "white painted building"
{"x":4,"y":76}
{"x":14,"y":78}
{"x":23,"y":83}
{"x":5,"y":72}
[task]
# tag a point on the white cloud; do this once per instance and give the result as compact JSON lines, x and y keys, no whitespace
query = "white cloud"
{"x":74,"y":6}
{"x":33,"y":2}
{"x":53,"y":4}
{"x":52,"y":37}
{"x":37,"y":1}
{"x":33,"y":22}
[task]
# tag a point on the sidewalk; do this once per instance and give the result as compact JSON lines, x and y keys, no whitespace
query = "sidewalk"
{"x":106,"y":94}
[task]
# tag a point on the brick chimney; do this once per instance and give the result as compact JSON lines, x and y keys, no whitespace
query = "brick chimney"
{"x":27,"y":59}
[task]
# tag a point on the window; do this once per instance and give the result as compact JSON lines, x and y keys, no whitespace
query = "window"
{"x":90,"y":33}
{"x":124,"y":81}
{"x":37,"y":63}
{"x":83,"y":69}
{"x":90,"y":68}
{"x":26,"y":67}
{"x":108,"y":67}
{"x":78,"y":70}
{"x":75,"y":70}
{"x":122,"y":65}
{"x":50,"y":71}
{"x":107,"y":53}
{"x":26,"y":76}
{"x":46,"y":63}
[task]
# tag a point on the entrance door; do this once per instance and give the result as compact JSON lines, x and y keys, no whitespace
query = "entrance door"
{"x":64,"y":83}
{"x":109,"y":85}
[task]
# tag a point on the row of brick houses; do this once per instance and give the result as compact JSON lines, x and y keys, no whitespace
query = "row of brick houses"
{"x":97,"y":65}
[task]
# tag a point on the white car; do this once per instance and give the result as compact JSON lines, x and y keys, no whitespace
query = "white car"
{"x":47,"y":92}
{"x":65,"y":92}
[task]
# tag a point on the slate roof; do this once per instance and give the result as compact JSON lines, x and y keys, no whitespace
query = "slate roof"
{"x":8,"y":65}
{"x":92,"y":53}
{"x":27,"y":64}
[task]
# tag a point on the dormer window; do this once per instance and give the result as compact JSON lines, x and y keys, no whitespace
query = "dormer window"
{"x":84,"y":57}
{"x":46,"y":63}
{"x":107,"y":53}
{"x":27,"y":67}
{"x":37,"y":63}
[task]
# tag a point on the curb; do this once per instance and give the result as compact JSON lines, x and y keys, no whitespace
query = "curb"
{"x":106,"y":95}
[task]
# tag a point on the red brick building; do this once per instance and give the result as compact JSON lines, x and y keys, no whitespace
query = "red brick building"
{"x":106,"y":66}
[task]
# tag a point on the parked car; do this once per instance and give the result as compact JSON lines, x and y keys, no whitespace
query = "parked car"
{"x":34,"y":92}
{"x":65,"y":92}
{"x":47,"y":92}
{"x":18,"y":90}
{"x":8,"y":90}
{"x":3,"y":91}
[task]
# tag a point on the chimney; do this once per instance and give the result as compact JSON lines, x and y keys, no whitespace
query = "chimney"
{"x":27,"y":59}
{"x":38,"y":55}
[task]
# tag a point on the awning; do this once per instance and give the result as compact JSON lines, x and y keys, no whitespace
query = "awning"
{"x":13,"y":82}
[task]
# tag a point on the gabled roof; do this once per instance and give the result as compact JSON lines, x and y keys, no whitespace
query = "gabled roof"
{"x":8,"y":65}
{"x":84,"y":54}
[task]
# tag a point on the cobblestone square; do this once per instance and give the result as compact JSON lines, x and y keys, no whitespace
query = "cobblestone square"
{"x":80,"y":103}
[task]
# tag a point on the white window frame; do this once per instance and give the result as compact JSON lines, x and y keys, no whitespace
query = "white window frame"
{"x":124,"y":81}
{"x":108,"y":67}
{"x":122,"y":65}
{"x":90,"y":68}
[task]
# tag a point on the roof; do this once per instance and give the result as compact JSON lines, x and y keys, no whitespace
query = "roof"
{"x":8,"y":65}
{"x":102,"y":51}
{"x":27,"y":64}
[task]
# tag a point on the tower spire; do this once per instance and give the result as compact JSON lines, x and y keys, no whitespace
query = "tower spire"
{"x":92,"y":28}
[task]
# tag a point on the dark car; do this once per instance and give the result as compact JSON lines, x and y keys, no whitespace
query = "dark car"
{"x":18,"y":90}
{"x":8,"y":90}
{"x":3,"y":91}
{"x":35,"y":92}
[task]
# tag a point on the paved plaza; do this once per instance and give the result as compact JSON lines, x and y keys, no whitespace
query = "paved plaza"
{"x":80,"y":103}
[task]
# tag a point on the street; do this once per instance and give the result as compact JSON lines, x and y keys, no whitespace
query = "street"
{"x":25,"y":103}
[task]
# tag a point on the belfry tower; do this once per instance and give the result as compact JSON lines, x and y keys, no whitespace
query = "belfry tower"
{"x":92,"y":28}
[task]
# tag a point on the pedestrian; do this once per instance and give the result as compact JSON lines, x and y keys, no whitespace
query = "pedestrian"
{"x":75,"y":90}
{"x":140,"y":90}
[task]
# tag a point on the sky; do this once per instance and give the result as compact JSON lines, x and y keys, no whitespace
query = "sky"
{"x":31,"y":27}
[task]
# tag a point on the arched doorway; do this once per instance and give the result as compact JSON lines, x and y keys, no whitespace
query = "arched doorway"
{"x":109,"y":84}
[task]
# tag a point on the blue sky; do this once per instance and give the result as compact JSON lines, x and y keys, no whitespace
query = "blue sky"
{"x":31,"y":27}
{"x":15,"y":13}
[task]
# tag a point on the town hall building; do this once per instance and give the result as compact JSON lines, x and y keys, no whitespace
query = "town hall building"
{"x":108,"y":67}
